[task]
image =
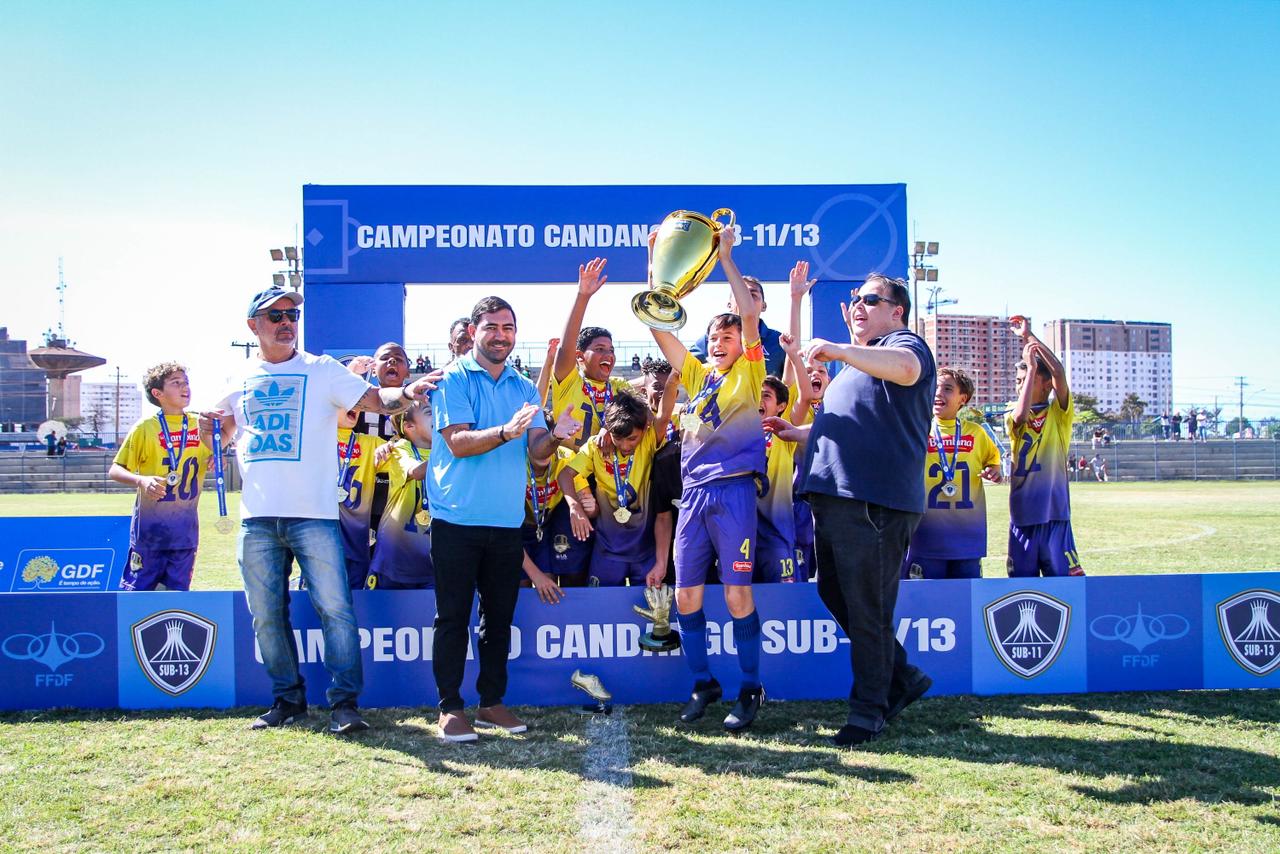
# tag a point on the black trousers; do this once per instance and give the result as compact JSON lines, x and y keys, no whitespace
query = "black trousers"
{"x":471,"y":559}
{"x":859,"y":549}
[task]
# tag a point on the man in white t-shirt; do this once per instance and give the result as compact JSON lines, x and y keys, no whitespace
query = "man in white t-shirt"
{"x":285,"y":416}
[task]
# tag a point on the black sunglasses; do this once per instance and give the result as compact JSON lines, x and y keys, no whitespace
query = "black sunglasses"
{"x":870,"y":299}
{"x":275,"y":315}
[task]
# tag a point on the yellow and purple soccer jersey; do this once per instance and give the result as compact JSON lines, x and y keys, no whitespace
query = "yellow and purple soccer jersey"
{"x":549,"y":495}
{"x":955,"y":527}
{"x":171,"y":522}
{"x":728,"y":440}
{"x":777,"y":505}
{"x":588,"y":399}
{"x":631,"y":540}
{"x":1038,"y":483}
{"x":402,"y":553}
{"x":355,"y":511}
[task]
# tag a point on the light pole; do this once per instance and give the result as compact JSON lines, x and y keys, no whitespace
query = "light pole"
{"x":922,"y":272}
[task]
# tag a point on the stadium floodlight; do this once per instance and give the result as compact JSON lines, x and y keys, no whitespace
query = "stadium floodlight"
{"x":291,"y":252}
{"x":918,"y":249}
{"x":918,"y":273}
{"x":295,"y":280}
{"x":932,"y":275}
{"x":277,"y":279}
{"x":277,"y":255}
{"x":931,"y":248}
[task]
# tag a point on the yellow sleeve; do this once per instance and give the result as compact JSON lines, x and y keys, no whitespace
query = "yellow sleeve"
{"x":562,"y":392}
{"x":754,"y":355}
{"x":583,"y":462}
{"x":132,"y":454}
{"x":620,"y":385}
{"x":988,"y":454}
{"x":693,"y":374}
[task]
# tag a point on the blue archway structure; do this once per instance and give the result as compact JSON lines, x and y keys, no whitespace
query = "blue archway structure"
{"x":380,"y":238}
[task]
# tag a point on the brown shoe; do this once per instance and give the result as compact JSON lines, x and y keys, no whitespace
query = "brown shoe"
{"x":454,"y":726}
{"x":499,"y":717}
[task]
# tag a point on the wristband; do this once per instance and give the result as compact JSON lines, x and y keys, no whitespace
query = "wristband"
{"x":502,"y":434}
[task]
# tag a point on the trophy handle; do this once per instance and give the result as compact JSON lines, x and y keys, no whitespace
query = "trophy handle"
{"x":721,"y":226}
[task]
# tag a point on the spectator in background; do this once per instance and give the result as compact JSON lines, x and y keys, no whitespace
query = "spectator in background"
{"x":460,"y":342}
{"x":1192,"y":424}
{"x":635,"y":363}
{"x":1106,"y":437}
{"x":1097,"y":438}
{"x":1099,"y":466}
{"x":421,"y":364}
{"x":1176,"y":421}
{"x":1166,"y":426}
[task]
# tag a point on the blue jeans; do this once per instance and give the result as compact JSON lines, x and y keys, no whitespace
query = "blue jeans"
{"x":263,"y":553}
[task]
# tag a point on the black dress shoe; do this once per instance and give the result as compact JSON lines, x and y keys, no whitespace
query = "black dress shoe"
{"x":744,"y":711}
{"x":704,"y":694}
{"x":851,"y":736}
{"x":921,"y":684}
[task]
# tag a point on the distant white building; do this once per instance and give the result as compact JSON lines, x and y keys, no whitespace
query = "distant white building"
{"x":98,"y":409}
{"x":1110,"y":359}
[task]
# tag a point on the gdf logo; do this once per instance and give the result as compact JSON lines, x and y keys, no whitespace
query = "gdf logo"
{"x":1027,"y":630}
{"x":1247,"y":623}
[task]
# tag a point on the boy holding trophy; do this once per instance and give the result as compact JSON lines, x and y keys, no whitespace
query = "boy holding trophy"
{"x":722,"y":455}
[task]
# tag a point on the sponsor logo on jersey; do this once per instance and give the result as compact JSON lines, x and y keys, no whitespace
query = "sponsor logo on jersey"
{"x":1247,"y":623}
{"x":1027,"y":630}
{"x":174,"y":649}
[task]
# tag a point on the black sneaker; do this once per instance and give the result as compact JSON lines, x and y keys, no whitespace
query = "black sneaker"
{"x":852,"y":736}
{"x":744,"y":711}
{"x":921,"y":684}
{"x":704,"y":694}
{"x":281,"y":713}
{"x":345,"y":720}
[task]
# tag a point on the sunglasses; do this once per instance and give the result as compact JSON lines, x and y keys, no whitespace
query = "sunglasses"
{"x":275,"y":315}
{"x":870,"y":299}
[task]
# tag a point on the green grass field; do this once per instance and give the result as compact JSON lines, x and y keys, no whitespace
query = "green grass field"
{"x":1179,"y":772}
{"x":1120,"y":528}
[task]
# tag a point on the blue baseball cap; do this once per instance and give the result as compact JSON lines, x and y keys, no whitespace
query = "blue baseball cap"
{"x":262,"y":299}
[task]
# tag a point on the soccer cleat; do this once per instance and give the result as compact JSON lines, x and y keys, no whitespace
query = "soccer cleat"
{"x":455,"y":727}
{"x":345,"y":720}
{"x":500,"y":717}
{"x":592,"y":685}
{"x":281,"y":713}
{"x":852,"y":736}
{"x":921,"y":684}
{"x":744,"y":711}
{"x":704,"y":694}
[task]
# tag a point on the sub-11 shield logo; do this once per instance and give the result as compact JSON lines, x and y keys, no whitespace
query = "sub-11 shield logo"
{"x":174,"y":648}
{"x":1247,"y":623}
{"x":1027,"y":631}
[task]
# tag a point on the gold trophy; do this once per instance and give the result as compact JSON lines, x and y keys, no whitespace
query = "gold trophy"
{"x":683,"y":256}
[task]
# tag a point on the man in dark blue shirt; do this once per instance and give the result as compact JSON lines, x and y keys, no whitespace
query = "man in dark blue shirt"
{"x":774,"y":356}
{"x":866,"y":450}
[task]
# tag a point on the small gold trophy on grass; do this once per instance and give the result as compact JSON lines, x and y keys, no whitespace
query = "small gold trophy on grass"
{"x":683,"y":256}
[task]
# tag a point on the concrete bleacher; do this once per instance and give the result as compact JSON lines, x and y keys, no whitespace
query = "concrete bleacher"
{"x":1216,"y":459}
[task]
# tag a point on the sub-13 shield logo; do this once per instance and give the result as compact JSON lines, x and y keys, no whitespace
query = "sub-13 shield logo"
{"x":1027,"y":631}
{"x":1248,"y":624}
{"x":174,"y":648}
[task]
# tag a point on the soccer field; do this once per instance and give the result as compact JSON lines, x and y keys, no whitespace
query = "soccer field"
{"x":1186,"y":771}
{"x":1120,"y":528}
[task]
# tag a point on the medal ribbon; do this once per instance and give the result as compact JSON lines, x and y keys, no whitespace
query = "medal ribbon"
{"x":344,"y":459}
{"x":218,"y":478}
{"x":709,"y":388}
{"x":606,"y":395}
{"x":539,"y":511}
{"x":175,"y":457}
{"x":619,"y":481}
{"x":948,"y":471}
{"x":422,"y":484}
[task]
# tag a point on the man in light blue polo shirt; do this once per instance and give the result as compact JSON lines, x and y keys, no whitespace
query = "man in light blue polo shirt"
{"x":487,"y":427}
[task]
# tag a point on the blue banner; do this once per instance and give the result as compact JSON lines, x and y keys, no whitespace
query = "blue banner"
{"x":63,"y":554}
{"x":1021,"y":636}
{"x":458,"y":234}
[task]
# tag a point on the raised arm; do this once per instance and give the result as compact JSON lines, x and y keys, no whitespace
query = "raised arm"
{"x":590,"y":279}
{"x":800,"y":285}
{"x":741,"y":293}
{"x":544,"y":376}
{"x":667,"y":408}
{"x":795,"y":367}
{"x":1061,"y":391}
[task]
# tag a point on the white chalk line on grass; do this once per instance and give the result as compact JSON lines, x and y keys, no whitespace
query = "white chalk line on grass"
{"x":1205,"y":531}
{"x":604,"y":813}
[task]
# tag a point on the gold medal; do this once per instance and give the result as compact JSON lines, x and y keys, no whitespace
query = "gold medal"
{"x":342,"y":495}
{"x":538,"y":534}
{"x":948,"y":489}
{"x":171,"y":478}
{"x":224,"y":524}
{"x":690,"y":422}
{"x":423,"y":518}
{"x":353,"y":496}
{"x":622,"y":514}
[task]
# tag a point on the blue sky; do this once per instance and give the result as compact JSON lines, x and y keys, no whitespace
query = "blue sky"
{"x":1111,"y":160}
